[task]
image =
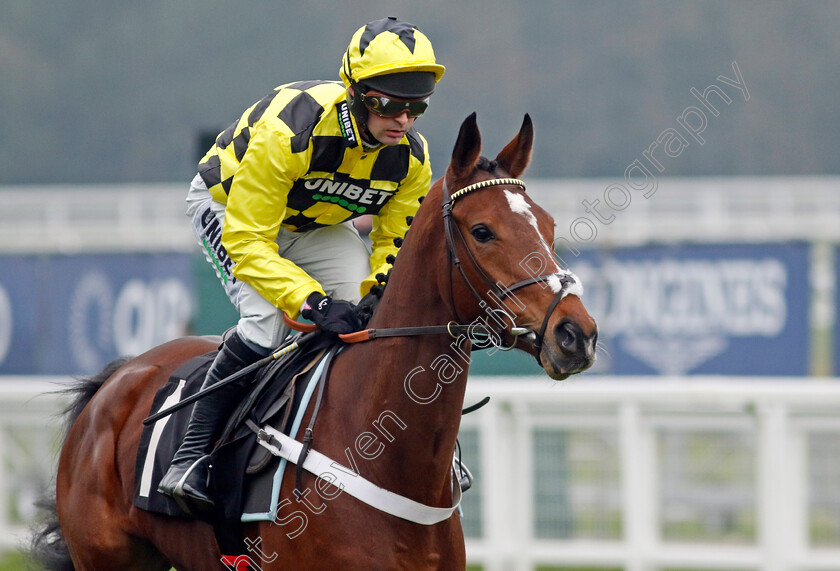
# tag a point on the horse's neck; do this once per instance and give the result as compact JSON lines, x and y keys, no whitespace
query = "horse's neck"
{"x":420,"y":379}
{"x":419,"y":289}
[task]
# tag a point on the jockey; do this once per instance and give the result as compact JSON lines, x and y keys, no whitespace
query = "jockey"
{"x":273,"y":202}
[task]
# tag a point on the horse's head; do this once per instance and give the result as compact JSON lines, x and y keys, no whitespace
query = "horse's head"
{"x":500,"y":240}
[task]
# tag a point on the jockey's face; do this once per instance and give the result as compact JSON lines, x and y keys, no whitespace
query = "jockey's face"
{"x":389,"y":130}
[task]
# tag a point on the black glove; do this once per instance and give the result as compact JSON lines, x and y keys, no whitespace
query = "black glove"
{"x":332,"y":316}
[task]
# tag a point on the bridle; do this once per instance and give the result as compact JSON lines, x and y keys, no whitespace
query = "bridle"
{"x":499,"y":291}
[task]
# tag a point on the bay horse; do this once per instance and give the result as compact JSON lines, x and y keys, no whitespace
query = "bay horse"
{"x":451,"y":268}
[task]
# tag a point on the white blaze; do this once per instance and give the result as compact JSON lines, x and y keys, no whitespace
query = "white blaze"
{"x":519,"y":205}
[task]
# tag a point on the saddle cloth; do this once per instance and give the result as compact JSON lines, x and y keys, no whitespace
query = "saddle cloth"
{"x":248,"y":481}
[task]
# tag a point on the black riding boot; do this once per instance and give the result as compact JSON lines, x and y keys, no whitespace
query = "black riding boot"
{"x":186,"y":481}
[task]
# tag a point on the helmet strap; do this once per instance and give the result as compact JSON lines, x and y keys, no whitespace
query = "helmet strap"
{"x":360,"y":112}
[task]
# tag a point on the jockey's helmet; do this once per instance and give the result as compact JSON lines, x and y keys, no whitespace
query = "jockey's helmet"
{"x":390,"y":56}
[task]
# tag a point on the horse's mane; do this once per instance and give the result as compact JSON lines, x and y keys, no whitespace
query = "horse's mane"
{"x":370,"y":303}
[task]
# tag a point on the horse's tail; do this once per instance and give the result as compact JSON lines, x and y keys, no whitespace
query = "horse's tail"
{"x":48,"y":549}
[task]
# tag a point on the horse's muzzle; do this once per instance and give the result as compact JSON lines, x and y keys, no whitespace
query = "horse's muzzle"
{"x":574,"y":350}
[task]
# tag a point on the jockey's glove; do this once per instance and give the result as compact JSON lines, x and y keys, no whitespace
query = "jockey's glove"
{"x":334,"y":316}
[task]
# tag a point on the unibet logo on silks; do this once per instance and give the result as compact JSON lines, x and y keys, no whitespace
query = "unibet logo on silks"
{"x":346,"y":124}
{"x":351,"y":196}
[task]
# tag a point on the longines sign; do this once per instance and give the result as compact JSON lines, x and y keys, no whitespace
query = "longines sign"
{"x":706,"y":309}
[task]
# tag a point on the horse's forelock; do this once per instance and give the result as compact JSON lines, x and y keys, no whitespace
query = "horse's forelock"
{"x":485,"y":164}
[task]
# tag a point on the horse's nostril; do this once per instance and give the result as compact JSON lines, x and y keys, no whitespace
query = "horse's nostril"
{"x":567,"y":336}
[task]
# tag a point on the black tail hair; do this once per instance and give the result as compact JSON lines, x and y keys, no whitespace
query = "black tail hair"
{"x":47,"y":549}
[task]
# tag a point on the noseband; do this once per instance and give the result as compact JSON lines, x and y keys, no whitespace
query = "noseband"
{"x":500,"y":291}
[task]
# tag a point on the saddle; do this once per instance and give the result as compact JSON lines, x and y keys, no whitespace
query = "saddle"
{"x":247,"y":480}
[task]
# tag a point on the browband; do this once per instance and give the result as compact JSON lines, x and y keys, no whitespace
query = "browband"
{"x":483,"y":184}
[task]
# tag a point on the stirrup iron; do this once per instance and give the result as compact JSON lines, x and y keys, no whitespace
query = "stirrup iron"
{"x":465,"y":477}
{"x":185,"y":501}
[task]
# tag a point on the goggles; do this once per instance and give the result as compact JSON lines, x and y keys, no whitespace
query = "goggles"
{"x":384,"y":106}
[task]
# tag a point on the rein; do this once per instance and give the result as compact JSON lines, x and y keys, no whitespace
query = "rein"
{"x":454,"y":329}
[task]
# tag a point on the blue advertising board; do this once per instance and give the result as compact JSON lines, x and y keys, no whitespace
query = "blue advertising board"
{"x":734,"y":309}
{"x":739,"y":309}
{"x":73,"y":314}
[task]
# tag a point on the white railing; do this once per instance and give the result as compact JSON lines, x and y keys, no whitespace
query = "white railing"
{"x":694,"y":209}
{"x":150,"y":217}
{"x":69,"y":219}
{"x":641,"y":474}
{"x":773,"y":423}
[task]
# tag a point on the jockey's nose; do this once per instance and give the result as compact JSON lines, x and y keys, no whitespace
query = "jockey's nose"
{"x":402,"y":117}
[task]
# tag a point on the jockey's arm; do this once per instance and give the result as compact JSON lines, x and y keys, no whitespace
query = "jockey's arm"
{"x":256,"y":207}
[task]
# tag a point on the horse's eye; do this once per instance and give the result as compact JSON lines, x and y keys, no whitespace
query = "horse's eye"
{"x":482,"y":233}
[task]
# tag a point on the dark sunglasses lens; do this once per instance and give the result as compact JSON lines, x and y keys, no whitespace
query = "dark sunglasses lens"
{"x":389,"y":108}
{"x":417,"y":108}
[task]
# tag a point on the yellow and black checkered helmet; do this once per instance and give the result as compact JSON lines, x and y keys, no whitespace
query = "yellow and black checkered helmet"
{"x":387,"y":47}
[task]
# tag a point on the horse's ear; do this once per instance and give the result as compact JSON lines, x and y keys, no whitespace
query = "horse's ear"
{"x":467,"y":148}
{"x":515,"y":157}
